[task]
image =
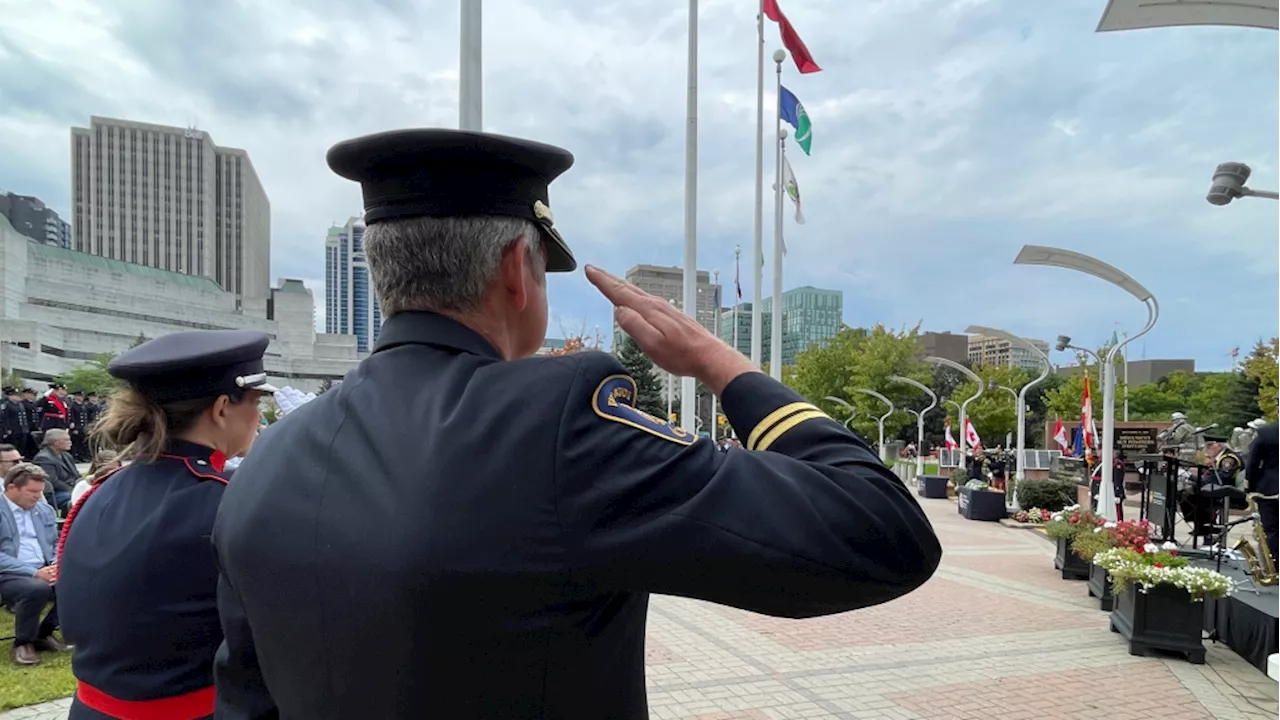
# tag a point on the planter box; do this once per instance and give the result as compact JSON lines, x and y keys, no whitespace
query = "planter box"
{"x":985,"y":505}
{"x":1100,"y":587}
{"x":1164,"y":618}
{"x":1071,"y":565}
{"x":932,"y":486}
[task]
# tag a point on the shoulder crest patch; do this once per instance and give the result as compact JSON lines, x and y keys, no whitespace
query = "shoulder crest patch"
{"x":615,"y":399}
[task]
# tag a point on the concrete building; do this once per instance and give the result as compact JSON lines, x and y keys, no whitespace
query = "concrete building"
{"x":351,"y":305}
{"x":1140,"y":372}
{"x":169,"y":198}
{"x":996,"y":351}
{"x":31,"y":217}
{"x":60,"y":309}
{"x":810,"y":316}
{"x":668,"y":284}
{"x":944,"y":345}
{"x":742,"y":318}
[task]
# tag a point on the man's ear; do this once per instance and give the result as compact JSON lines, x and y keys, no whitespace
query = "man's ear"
{"x":515,"y":273}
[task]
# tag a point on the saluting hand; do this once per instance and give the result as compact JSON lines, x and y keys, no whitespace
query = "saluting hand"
{"x":674,"y":341}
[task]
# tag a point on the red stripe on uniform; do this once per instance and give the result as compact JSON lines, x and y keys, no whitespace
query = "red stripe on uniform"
{"x":192,"y":706}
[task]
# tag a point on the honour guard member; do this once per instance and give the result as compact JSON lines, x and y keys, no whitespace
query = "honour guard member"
{"x":79,"y":414}
{"x":52,"y":408}
{"x":464,"y":530}
{"x":137,"y":580}
{"x":15,"y":422}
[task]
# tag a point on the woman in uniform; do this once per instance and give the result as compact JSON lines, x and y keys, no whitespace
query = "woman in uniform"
{"x":137,"y":579}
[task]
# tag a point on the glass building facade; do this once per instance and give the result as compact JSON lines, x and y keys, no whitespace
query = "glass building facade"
{"x":351,"y":306}
{"x":810,"y":316}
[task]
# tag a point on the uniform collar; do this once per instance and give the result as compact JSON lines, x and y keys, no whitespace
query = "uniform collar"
{"x":426,"y":328}
{"x":183,"y":449}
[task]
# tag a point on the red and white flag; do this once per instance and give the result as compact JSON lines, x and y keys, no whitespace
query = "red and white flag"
{"x":951,"y":441}
{"x":1060,"y":437}
{"x":790,"y":38}
{"x":971,"y":435}
{"x":1086,"y":420}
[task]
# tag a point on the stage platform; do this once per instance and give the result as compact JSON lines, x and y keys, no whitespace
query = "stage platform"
{"x":1248,"y":622}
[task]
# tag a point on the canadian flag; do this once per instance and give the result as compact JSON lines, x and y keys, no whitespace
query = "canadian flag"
{"x":971,"y":435}
{"x":951,"y":441}
{"x":1086,"y":421}
{"x":1060,"y":437}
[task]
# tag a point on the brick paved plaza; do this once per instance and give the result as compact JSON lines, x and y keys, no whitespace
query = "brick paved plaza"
{"x":996,"y":634}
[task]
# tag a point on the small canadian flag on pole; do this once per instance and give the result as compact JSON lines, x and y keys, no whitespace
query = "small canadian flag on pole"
{"x":1060,"y":437}
{"x":971,"y":435}
{"x":951,"y":441}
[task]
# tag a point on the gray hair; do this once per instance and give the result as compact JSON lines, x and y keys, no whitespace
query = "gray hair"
{"x":54,"y":434}
{"x":443,"y":264}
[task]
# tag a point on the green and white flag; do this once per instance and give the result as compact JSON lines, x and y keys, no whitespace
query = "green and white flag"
{"x":793,"y":190}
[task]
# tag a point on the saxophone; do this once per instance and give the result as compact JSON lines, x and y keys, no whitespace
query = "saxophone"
{"x":1262,"y":567}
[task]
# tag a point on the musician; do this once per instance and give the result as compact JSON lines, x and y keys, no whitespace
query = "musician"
{"x":1117,"y":481}
{"x":998,"y":466}
{"x":1220,"y":470}
{"x":1261,"y":477}
{"x":976,"y":464}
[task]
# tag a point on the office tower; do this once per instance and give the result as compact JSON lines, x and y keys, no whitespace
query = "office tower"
{"x":999,"y":352}
{"x":169,"y":198}
{"x":351,"y":306}
{"x":668,"y":284}
{"x":30,"y":217}
{"x":810,"y":316}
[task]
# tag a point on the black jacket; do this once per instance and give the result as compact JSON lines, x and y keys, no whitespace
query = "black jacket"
{"x":1260,"y":468}
{"x":446,"y":534}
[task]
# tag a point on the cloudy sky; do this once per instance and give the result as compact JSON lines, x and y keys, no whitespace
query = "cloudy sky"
{"x":948,"y":133}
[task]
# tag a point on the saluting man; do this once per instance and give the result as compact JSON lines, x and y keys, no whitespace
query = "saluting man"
{"x":463,"y":530}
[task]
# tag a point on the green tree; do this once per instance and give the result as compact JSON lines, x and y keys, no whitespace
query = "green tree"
{"x":649,"y":395}
{"x":1065,"y":399}
{"x":858,"y":359}
{"x":139,"y":340}
{"x":91,"y":377}
{"x":1261,"y":367}
{"x":1227,"y":399}
{"x":10,"y":378}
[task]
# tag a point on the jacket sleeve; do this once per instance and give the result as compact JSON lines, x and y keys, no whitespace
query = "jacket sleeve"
{"x":241,"y":689}
{"x":9,"y":564}
{"x":805,"y":521}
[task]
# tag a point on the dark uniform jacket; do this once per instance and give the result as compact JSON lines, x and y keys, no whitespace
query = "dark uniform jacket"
{"x":448,"y":535}
{"x":15,"y":423}
{"x":1260,"y":470}
{"x":137,"y":587}
{"x":53,"y":412}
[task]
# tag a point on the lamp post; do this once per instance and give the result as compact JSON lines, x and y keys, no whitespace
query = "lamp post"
{"x":964,"y":406}
{"x":880,"y":420}
{"x":1229,"y":180}
{"x":993,"y":386}
{"x":933,"y":403}
{"x":1070,"y":260}
{"x":853,"y":412}
{"x":1021,"y":400}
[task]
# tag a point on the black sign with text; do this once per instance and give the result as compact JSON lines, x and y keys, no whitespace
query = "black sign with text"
{"x":1136,"y":441}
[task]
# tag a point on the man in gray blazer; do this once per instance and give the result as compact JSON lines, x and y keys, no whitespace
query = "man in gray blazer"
{"x":28,"y":543}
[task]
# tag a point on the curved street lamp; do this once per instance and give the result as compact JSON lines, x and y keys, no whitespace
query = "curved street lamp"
{"x":964,"y":406}
{"x":1070,"y":260}
{"x":882,"y":418}
{"x":933,"y":398}
{"x":853,"y":412}
{"x":1012,"y":393}
{"x":1229,"y":180}
{"x":1021,"y":401}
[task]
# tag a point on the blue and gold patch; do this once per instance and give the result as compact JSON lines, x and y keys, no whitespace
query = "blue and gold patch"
{"x":615,"y":400}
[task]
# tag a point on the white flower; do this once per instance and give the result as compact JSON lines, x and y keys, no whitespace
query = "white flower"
{"x":1097,"y":529}
{"x":1150,"y":548}
{"x":1169,"y":546}
{"x":1108,"y":524}
{"x":1057,"y":517}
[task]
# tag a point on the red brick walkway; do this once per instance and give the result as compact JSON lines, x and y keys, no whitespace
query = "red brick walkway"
{"x":996,"y":634}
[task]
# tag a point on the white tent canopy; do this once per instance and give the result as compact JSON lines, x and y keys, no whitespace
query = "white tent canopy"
{"x":1143,"y":14}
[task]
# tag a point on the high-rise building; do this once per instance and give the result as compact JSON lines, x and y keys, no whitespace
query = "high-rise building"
{"x":810,"y":316}
{"x":169,"y":198}
{"x":741,"y":316}
{"x":351,"y":306}
{"x":668,"y":284}
{"x":30,"y":217}
{"x":984,"y":350}
{"x":944,"y":345}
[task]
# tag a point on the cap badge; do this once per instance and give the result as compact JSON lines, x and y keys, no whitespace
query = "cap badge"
{"x":542,"y":212}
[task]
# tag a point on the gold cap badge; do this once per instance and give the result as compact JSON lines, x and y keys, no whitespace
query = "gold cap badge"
{"x":542,"y":212}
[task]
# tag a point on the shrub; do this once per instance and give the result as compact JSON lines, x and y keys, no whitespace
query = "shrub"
{"x":959,"y":476}
{"x":1051,"y":495}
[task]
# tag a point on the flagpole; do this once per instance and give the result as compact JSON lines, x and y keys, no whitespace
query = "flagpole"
{"x":688,"y":388}
{"x":470,"y":86}
{"x":775,"y":342}
{"x":737,"y":299}
{"x":757,"y":256}
{"x":715,"y":288}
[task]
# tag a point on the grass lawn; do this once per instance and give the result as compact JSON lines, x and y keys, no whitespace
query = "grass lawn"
{"x":20,"y":686}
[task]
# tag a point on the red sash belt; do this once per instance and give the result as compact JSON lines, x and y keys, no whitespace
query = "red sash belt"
{"x":191,"y":706}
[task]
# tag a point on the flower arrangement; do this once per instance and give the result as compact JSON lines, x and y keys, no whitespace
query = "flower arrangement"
{"x":1153,"y":565}
{"x":1072,"y":521}
{"x":1034,"y":516}
{"x":1135,"y":534}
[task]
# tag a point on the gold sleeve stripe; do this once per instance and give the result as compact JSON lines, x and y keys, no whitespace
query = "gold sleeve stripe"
{"x":774,"y":418}
{"x":786,"y":426}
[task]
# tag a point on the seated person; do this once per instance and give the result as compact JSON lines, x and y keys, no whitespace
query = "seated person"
{"x":28,"y":542}
{"x":105,"y":462}
{"x":59,"y":465}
